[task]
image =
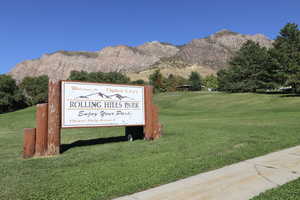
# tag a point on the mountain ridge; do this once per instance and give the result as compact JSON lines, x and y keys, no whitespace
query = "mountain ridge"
{"x":209,"y":54}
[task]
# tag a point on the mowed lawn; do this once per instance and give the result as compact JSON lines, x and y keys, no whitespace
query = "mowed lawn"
{"x":289,"y":191}
{"x":202,"y":131}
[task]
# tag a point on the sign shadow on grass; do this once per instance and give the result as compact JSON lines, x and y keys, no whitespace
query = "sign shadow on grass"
{"x":81,"y":143}
{"x":290,"y":95}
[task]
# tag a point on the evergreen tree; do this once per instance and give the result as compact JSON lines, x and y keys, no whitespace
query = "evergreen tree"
{"x":250,"y":69}
{"x":254,"y":67}
{"x":195,"y":80}
{"x":287,"y":55}
{"x":158,"y":81}
{"x":251,"y":60}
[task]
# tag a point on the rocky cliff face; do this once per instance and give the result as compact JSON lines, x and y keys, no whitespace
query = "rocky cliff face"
{"x":208,"y":54}
{"x":215,"y":50}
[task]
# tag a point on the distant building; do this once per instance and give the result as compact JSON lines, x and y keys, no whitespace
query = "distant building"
{"x":184,"y":88}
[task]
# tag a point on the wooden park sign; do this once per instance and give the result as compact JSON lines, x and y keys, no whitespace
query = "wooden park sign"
{"x":75,"y":104}
{"x":93,"y":104}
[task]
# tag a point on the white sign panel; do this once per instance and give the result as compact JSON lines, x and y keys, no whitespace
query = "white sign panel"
{"x":94,"y":104}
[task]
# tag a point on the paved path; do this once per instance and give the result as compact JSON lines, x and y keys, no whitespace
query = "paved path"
{"x":239,"y":181}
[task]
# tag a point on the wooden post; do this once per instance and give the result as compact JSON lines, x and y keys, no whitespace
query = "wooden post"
{"x":54,"y":107}
{"x":29,"y":142}
{"x":148,"y":130}
{"x":152,"y":128}
{"x":156,"y":126}
{"x":41,"y":129}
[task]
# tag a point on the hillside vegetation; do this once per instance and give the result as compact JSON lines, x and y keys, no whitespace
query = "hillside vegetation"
{"x":202,"y":132}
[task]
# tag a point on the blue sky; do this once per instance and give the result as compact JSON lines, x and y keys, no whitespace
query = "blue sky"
{"x":30,"y":28}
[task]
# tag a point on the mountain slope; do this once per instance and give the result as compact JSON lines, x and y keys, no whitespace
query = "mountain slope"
{"x":215,"y":50}
{"x":204,"y":55}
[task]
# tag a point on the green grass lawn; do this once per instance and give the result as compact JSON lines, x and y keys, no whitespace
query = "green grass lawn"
{"x":203,"y":131}
{"x":289,"y":191}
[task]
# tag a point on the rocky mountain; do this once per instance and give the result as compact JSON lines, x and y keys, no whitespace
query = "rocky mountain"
{"x":215,"y":50}
{"x":205,"y":55}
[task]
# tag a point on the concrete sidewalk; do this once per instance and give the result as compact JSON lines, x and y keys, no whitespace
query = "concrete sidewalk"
{"x":240,"y":181}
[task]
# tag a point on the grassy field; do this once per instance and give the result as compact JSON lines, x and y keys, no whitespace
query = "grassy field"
{"x":203,"y":131}
{"x":289,"y":191}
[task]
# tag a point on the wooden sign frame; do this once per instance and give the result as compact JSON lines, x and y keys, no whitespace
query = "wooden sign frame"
{"x":45,"y":140}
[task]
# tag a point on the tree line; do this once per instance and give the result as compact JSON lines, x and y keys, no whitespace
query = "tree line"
{"x":34,"y":90}
{"x":171,"y":83}
{"x":255,"y":68}
{"x":31,"y":91}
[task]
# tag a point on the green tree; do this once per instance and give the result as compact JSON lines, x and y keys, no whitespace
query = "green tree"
{"x":110,"y":77}
{"x":158,"y":81}
{"x":79,"y":76}
{"x":173,"y":81}
{"x":287,"y":54}
{"x":35,"y":89}
{"x":223,"y":79}
{"x":250,"y":69}
{"x":195,"y":80}
{"x":254,"y":67}
{"x":251,"y":61}
{"x":211,"y":82}
{"x":95,"y":77}
{"x":11,"y":97}
{"x":116,"y":77}
{"x":139,"y":82}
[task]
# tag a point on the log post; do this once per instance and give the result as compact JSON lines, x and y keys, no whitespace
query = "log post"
{"x":155,"y":123}
{"x":29,"y":142}
{"x":148,"y":128}
{"x":54,"y":107}
{"x":41,"y":129}
{"x":152,"y":128}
